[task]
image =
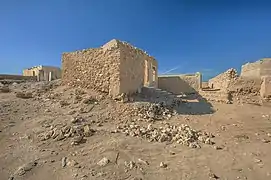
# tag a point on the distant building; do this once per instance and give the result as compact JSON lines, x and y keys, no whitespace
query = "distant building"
{"x":43,"y":73}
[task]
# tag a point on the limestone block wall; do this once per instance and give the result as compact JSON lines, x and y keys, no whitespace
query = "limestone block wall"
{"x":265,"y":90}
{"x":96,"y":69}
{"x":189,"y":83}
{"x":116,"y":67}
{"x":223,"y":80}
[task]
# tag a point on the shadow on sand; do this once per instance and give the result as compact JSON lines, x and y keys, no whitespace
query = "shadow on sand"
{"x":186,"y":104}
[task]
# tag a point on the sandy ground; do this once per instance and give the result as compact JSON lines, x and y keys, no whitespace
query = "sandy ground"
{"x":242,"y":148}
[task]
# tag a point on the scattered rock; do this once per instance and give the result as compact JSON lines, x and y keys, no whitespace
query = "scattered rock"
{"x":89,"y":100}
{"x":155,"y":111}
{"x":257,"y":160}
{"x":213,"y":176}
{"x":130,"y":164}
{"x":265,"y":140}
{"x":63,"y":103}
{"x":64,"y":162}
{"x":72,"y":163}
{"x":25,"y":168}
{"x":180,"y":134}
{"x":142,"y":161}
{"x":163,"y":165}
{"x":76,"y":140}
{"x":103,"y":162}
{"x":71,"y":112}
{"x":218,"y":147}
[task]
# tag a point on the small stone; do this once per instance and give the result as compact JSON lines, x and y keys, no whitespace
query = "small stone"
{"x":64,"y":162}
{"x":103,"y":162}
{"x":72,"y":163}
{"x":142,"y":161}
{"x":257,"y":160}
{"x":265,"y":141}
{"x":23,"y":169}
{"x":218,"y":147}
{"x":130,"y":164}
{"x":163,"y":165}
{"x":76,"y":140}
{"x":212,"y":175}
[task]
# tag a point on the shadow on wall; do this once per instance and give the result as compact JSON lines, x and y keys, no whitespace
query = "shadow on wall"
{"x":178,"y":84}
{"x":190,"y":103}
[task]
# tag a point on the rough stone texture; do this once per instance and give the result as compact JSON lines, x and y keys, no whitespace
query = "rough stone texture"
{"x":257,"y":69}
{"x":216,"y":95}
{"x":115,"y":68}
{"x":184,"y":83}
{"x":223,"y":80}
{"x":43,"y":73}
{"x":265,"y":91}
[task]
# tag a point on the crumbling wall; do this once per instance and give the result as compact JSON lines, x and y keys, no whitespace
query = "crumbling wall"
{"x":177,"y":84}
{"x":265,"y":90}
{"x":223,"y":80}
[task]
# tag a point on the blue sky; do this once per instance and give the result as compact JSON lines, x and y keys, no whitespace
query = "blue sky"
{"x":209,"y":36}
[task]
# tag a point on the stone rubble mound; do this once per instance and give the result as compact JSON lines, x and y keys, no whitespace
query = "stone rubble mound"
{"x":182,"y":134}
{"x":77,"y":130}
{"x":155,"y":111}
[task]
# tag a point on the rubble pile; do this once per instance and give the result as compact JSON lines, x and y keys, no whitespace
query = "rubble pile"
{"x":182,"y":134}
{"x":155,"y":111}
{"x":77,"y":130}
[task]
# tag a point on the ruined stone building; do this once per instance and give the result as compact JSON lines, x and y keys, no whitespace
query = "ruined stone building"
{"x":257,"y":69}
{"x":43,"y":73}
{"x":114,"y":68}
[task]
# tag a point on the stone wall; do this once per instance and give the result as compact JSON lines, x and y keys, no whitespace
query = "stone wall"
{"x":115,"y":68}
{"x":265,"y":91}
{"x":257,"y":69}
{"x":187,"y":83}
{"x":251,"y":70}
{"x":223,"y":80}
{"x":216,"y":95}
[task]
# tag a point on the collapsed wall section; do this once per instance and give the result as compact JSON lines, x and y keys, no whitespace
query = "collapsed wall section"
{"x":223,"y":80}
{"x":97,"y":69}
{"x":187,"y":83}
